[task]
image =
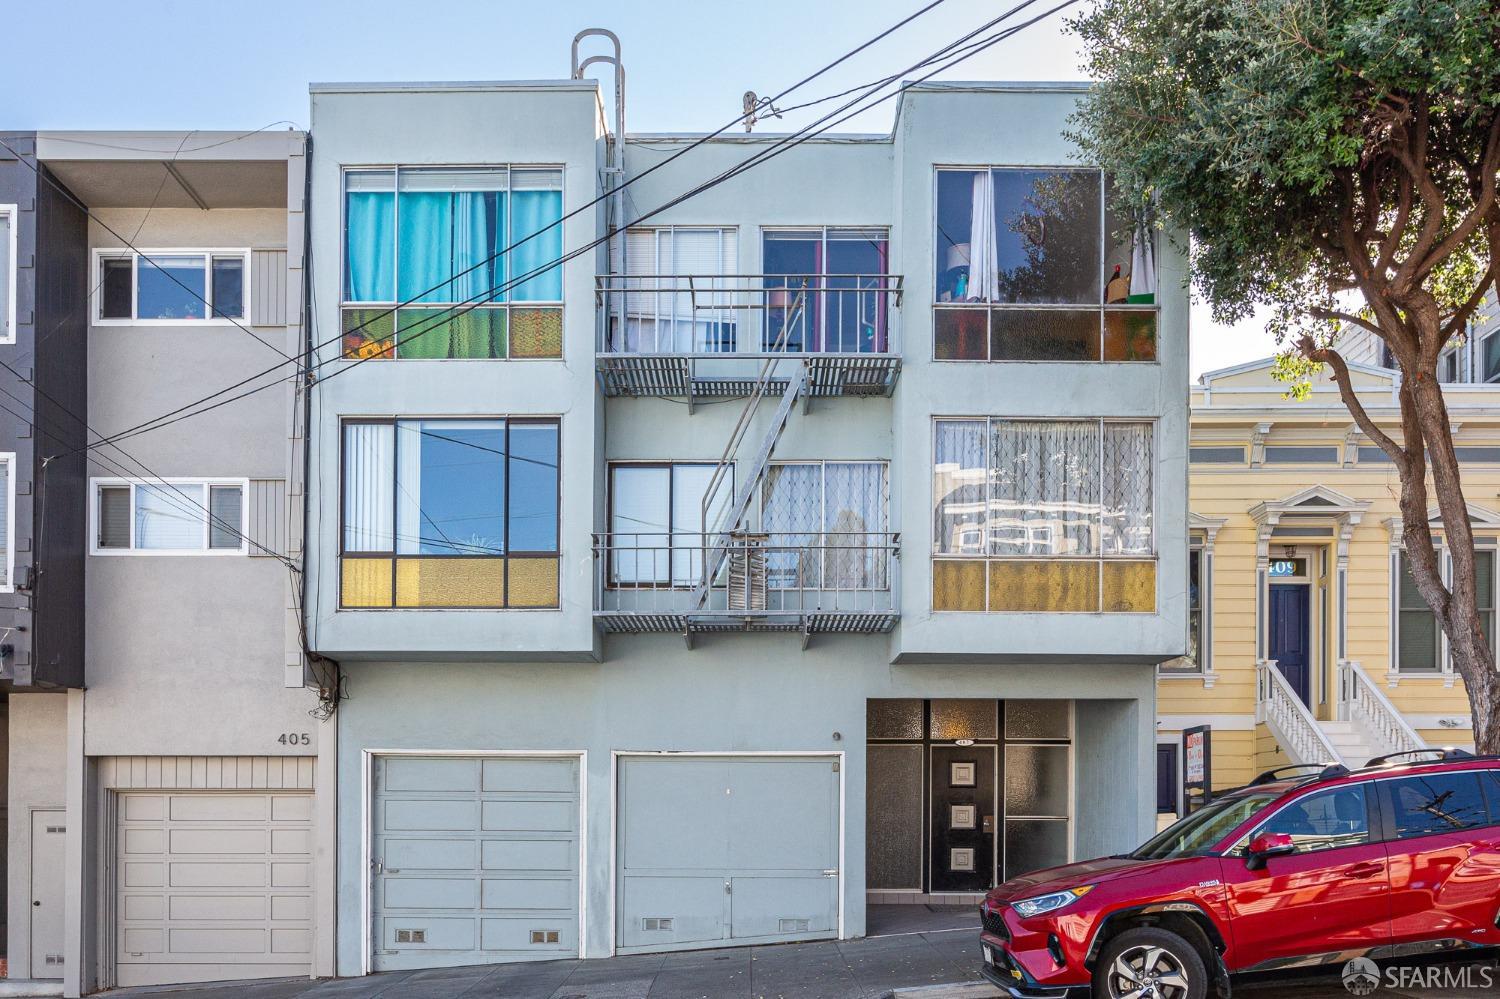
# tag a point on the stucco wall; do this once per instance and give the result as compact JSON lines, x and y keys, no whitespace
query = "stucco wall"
{"x":38,"y":725}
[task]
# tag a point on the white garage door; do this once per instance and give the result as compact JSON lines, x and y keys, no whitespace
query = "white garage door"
{"x":213,"y":885}
{"x":475,"y":860}
{"x":730,"y":849}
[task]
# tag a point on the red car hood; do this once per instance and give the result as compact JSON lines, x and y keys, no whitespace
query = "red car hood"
{"x":1088,"y":872}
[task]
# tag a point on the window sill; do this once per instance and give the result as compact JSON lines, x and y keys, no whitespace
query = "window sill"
{"x":1208,"y":677}
{"x":1394,"y":678}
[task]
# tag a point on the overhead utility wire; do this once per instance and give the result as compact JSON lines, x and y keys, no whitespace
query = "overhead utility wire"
{"x":965,"y":52}
{"x":583,"y":208}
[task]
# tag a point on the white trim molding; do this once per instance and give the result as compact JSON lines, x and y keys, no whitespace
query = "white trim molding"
{"x":1222,"y":723}
{"x":209,"y":254}
{"x":8,"y":279}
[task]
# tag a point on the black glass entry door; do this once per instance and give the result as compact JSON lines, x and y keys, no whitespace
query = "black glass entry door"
{"x":963,"y":822}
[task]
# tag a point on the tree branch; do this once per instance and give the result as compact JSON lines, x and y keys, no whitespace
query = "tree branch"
{"x":1335,"y":360}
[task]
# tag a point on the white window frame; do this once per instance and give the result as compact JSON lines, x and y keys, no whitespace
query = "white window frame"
{"x":96,"y":280}
{"x":1198,"y":545}
{"x":1485,"y":545}
{"x":13,"y":214}
{"x":95,"y":484}
{"x":8,"y":459}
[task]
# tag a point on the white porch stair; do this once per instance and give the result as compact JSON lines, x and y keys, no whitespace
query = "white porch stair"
{"x":1367,"y":724}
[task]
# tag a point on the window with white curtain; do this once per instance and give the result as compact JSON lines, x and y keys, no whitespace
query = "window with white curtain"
{"x":169,"y":516}
{"x":675,"y":296}
{"x":828,"y":522}
{"x":1043,"y":488}
{"x":657,"y":523}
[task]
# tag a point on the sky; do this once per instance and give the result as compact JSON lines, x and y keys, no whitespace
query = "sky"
{"x":215,"y":64}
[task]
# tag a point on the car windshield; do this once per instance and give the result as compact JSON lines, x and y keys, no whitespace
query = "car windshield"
{"x":1196,"y":833}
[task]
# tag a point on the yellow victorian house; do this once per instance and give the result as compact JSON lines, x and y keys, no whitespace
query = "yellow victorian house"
{"x":1309,"y":641}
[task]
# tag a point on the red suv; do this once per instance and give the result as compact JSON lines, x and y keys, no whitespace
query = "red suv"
{"x":1296,"y":869}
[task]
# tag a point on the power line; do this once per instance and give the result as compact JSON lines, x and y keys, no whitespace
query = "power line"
{"x":582,"y":208}
{"x":964,"y":51}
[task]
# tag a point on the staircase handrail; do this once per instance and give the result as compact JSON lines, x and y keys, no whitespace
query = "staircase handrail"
{"x":1278,"y":705}
{"x":1363,"y":701}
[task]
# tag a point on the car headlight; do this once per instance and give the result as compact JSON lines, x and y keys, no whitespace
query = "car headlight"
{"x":1029,"y":907}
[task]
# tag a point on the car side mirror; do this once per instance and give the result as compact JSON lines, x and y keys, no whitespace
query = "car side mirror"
{"x":1266,"y":846}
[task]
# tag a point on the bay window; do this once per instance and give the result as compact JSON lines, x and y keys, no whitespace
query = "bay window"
{"x":1032,"y":265}
{"x":1043,"y":515}
{"x":170,"y":286}
{"x":450,"y":513}
{"x":472,"y":254}
{"x":168,"y":517}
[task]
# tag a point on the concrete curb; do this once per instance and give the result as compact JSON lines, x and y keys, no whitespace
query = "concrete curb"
{"x":956,"y":990}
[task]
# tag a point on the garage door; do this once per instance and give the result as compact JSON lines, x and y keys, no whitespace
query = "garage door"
{"x":476,"y":860}
{"x":716,"y":849}
{"x":213,"y":885}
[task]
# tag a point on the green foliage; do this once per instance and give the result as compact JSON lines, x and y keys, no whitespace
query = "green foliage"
{"x":1263,"y":128}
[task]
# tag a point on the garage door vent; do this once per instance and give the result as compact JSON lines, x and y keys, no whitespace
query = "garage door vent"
{"x":543,"y":936}
{"x":656,"y":922}
{"x":793,"y":926}
{"x":411,"y":936}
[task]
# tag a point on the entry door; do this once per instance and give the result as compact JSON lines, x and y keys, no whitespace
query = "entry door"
{"x":1289,"y":635}
{"x":1166,"y":777}
{"x":963,"y":818}
{"x":48,"y":831}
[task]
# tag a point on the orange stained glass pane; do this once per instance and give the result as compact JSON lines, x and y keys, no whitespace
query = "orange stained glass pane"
{"x":533,"y":582}
{"x":365,"y":582}
{"x":1130,"y":587}
{"x":369,"y":333}
{"x":450,"y":582}
{"x":1129,"y":335}
{"x":535,"y":332}
{"x":958,"y":584}
{"x":1044,"y":585}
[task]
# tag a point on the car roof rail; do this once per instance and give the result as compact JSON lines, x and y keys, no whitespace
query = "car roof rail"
{"x":1444,"y":754}
{"x":1319,"y":770}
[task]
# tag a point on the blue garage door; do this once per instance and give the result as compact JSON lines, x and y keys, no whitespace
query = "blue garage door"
{"x":475,"y":860}
{"x":716,"y":850}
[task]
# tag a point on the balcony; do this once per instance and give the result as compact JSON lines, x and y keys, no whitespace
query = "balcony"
{"x":805,"y":583}
{"x":705,"y":336}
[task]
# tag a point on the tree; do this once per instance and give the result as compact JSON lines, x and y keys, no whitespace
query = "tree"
{"x":1335,"y":161}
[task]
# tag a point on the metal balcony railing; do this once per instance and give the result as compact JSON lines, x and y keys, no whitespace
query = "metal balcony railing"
{"x":808,"y":582}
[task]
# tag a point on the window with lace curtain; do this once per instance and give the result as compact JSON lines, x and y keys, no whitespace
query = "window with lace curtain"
{"x":1043,"y":515}
{"x":827,"y":522}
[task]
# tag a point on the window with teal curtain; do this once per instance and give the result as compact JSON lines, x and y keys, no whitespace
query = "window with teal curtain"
{"x":452,"y":225}
{"x":370,"y":236}
{"x":535,"y":204}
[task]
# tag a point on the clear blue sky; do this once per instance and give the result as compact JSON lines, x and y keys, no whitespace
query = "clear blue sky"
{"x":213,"y":64}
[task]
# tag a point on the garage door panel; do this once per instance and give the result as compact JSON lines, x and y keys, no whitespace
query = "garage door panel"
{"x":775,"y":907}
{"x":677,"y":910}
{"x":502,"y":855}
{"x":528,"y":855}
{"x":226,"y":892}
{"x":766,"y":826}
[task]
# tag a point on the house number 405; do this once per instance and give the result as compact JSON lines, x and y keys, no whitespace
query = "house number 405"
{"x":294,"y":739}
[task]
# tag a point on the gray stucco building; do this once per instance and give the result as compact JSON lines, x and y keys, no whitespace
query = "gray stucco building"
{"x":807,"y":544}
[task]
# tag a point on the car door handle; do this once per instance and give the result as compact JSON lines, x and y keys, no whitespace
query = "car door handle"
{"x":1365,"y":870}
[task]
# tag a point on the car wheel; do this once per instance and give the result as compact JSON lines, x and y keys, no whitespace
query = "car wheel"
{"x":1150,"y":963}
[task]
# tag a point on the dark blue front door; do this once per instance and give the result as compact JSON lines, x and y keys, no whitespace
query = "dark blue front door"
{"x":1289,"y":635}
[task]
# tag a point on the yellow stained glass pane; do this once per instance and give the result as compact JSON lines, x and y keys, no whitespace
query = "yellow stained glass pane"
{"x":536,"y":332}
{"x":369,"y":333}
{"x":958,"y":585}
{"x":1130,"y":587}
{"x":450,"y":582}
{"x":533,"y":582}
{"x":1044,"y":586}
{"x":365,"y":582}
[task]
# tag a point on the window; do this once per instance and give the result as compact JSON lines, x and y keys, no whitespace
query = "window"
{"x":656,"y":521}
{"x":1198,"y":832}
{"x":1489,"y":349}
{"x":171,"y":286}
{"x":1323,"y":820}
{"x":1448,"y":367}
{"x":8,"y":254}
{"x":1043,"y":515}
{"x":1417,"y":641}
{"x":476,"y":250}
{"x":1435,"y":803}
{"x":827,"y":290}
{"x":1301,"y":454}
{"x":1197,"y":655}
{"x":677,"y":293}
{"x":1032,"y":266}
{"x":169,"y":517}
{"x":7,"y":521}
{"x":1216,"y":455}
{"x":827,"y":525}
{"x":450,"y":513}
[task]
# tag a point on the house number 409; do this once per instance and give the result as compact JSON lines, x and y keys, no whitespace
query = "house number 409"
{"x":294,"y":739}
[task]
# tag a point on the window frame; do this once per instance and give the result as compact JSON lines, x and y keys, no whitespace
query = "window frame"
{"x":207,"y":482}
{"x":1202,"y":666}
{"x":393,"y":307}
{"x":8,"y":459}
{"x":1103,"y":309}
{"x":1375,"y":824}
{"x":759,"y":505}
{"x":669,"y":466}
{"x":10,"y":279}
{"x":887,"y":293}
{"x":1385,"y":799}
{"x":1485,"y":547}
{"x":99,"y":254}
